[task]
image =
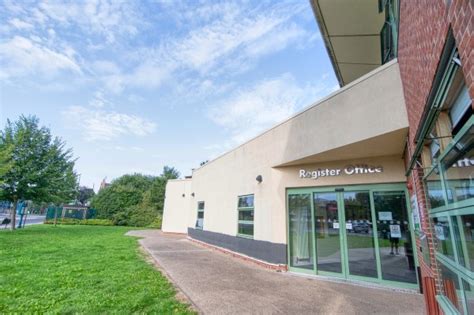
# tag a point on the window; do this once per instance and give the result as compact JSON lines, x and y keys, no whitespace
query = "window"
{"x":461,"y":106}
{"x":245,"y":207}
{"x":200,"y":215}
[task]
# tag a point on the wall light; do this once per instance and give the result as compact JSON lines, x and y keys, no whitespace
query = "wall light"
{"x":259,"y":178}
{"x":184,"y":195}
{"x":192,"y":195}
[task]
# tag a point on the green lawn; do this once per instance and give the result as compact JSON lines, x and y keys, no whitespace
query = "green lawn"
{"x":80,"y":269}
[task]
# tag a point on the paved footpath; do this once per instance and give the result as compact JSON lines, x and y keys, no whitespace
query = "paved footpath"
{"x":217,"y":283}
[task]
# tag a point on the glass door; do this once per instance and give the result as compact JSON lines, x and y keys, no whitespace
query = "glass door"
{"x":357,"y":232}
{"x":359,"y":235}
{"x":394,"y":237}
{"x":301,"y":249}
{"x":327,"y":231}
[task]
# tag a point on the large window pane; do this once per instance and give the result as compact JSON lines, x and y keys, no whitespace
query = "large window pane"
{"x":451,"y":288}
{"x":360,"y":237}
{"x":463,"y":232}
{"x":434,"y":189}
{"x":246,"y":215}
{"x":245,"y":229}
{"x":444,"y":243}
{"x":327,"y":225}
{"x":301,"y":231}
{"x":459,"y":169}
{"x":395,"y":246}
{"x":469,"y":296}
{"x":246,"y":201}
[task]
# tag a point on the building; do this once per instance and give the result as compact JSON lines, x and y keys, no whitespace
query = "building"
{"x":374,"y":183}
{"x":435,"y":53}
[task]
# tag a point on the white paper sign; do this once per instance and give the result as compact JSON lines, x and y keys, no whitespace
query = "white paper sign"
{"x":439,"y":231}
{"x":335,"y":225}
{"x":395,"y":231}
{"x":348,"y":226}
{"x":385,"y":215}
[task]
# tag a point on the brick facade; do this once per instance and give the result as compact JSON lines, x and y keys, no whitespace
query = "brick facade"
{"x":423,"y":31}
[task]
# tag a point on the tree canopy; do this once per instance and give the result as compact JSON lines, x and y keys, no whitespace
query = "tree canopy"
{"x":41,"y":168}
{"x":38,"y":167}
{"x":135,"y":200}
{"x":85,"y":194}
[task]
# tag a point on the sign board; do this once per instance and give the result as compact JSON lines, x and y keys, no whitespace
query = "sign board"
{"x":347,"y":170}
{"x":395,"y":231}
{"x":439,"y":232}
{"x":335,"y":225}
{"x":415,"y":212}
{"x":385,"y":216}
{"x":348,"y":226}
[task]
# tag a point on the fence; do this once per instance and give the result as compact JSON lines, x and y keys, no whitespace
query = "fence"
{"x":79,"y":213}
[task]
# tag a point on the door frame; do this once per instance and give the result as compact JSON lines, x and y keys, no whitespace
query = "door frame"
{"x":339,"y":190}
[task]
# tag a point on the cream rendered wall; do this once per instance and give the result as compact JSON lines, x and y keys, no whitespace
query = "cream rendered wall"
{"x":176,"y":206}
{"x":367,"y":108}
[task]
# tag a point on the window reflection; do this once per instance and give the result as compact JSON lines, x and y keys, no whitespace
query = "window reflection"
{"x":464,"y":230}
{"x":301,"y":231}
{"x":395,"y":247}
{"x":442,"y":233}
{"x":451,"y":288}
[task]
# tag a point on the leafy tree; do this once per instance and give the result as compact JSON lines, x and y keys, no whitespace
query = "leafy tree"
{"x":41,"y":169}
{"x":135,"y":200}
{"x":170,"y":173}
{"x":85,"y":194}
{"x":6,"y":162}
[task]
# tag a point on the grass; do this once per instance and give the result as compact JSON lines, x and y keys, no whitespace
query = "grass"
{"x":80,"y":269}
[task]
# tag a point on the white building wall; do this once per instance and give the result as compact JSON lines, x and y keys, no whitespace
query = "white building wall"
{"x":177,"y":206}
{"x":364,"y":122}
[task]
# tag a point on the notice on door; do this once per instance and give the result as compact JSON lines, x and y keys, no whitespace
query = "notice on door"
{"x":439,"y":232}
{"x":395,"y":231}
{"x":385,"y":216}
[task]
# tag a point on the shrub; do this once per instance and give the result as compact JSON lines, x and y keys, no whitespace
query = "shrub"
{"x":135,"y":216}
{"x":156,"y":224}
{"x":69,"y":221}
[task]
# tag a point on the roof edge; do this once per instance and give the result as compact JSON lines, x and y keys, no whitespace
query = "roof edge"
{"x":327,"y":43}
{"x":324,"y":99}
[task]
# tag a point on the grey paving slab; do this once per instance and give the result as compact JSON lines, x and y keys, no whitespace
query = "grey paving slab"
{"x":220,"y":284}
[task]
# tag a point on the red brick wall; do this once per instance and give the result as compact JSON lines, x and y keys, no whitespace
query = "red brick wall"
{"x":423,"y":30}
{"x":424,"y":26}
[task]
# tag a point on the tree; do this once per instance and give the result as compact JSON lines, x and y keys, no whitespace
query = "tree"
{"x":41,"y":170}
{"x":170,"y":173}
{"x":135,"y":200}
{"x":85,"y":194}
{"x":6,"y":162}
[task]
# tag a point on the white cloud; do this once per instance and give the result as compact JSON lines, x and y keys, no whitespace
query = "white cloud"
{"x":107,"y":125}
{"x":106,"y":18}
{"x":20,"y":56}
{"x":248,"y":112}
{"x":19,"y":24}
{"x":238,"y":34}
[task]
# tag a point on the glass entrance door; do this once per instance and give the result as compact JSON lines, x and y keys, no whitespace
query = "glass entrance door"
{"x":358,"y":232}
{"x":327,"y":231}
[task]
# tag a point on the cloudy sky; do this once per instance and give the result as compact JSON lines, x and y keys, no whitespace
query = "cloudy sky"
{"x":132,"y":86}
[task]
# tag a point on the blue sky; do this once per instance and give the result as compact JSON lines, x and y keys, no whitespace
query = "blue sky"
{"x":132,"y":86}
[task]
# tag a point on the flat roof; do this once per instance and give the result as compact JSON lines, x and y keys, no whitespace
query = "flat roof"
{"x":351,"y":33}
